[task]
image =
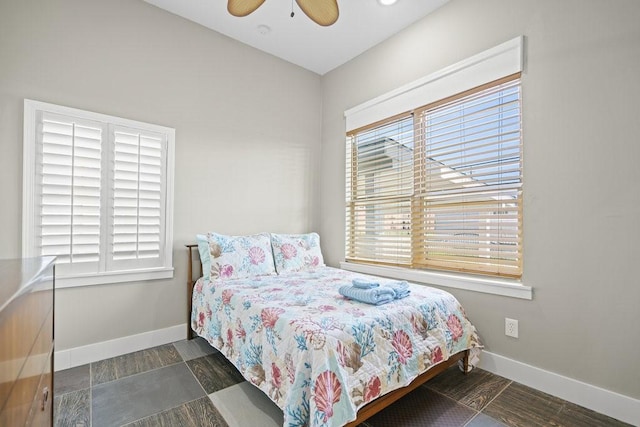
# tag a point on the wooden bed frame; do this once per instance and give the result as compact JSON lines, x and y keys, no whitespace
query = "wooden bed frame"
{"x":370,"y":408}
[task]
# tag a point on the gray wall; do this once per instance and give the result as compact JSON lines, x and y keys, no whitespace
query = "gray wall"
{"x":246,"y":151}
{"x":581,"y":176}
{"x":244,"y":145}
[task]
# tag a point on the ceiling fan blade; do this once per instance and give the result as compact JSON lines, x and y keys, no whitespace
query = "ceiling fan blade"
{"x":322,"y":12}
{"x":243,"y":7}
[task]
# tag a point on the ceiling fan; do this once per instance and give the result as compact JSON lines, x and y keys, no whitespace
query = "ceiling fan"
{"x":322,"y":12}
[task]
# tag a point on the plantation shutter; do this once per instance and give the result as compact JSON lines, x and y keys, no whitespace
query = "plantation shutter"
{"x":68,"y":165}
{"x":467,"y":213}
{"x":137,"y":192}
{"x":379,"y":190}
{"x":97,"y":194}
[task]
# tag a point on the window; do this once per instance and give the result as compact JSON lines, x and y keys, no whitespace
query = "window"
{"x":98,"y":195}
{"x":440,"y":187}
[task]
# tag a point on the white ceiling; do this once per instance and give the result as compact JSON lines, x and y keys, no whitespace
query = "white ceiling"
{"x":362,"y":24}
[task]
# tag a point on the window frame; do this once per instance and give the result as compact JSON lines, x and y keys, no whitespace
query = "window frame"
{"x":474,"y":72}
{"x":30,"y":215}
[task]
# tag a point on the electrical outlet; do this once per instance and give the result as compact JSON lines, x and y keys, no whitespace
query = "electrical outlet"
{"x":511,"y":327}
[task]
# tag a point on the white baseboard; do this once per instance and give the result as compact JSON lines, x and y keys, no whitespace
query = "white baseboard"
{"x":607,"y":402}
{"x":65,"y":359}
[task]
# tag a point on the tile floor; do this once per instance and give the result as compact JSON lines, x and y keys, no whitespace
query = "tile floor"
{"x":188,"y":383}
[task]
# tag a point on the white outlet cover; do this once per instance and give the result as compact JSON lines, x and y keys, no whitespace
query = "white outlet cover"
{"x":511,"y":327}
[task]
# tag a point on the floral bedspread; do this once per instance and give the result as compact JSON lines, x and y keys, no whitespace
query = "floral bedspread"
{"x":319,"y":356}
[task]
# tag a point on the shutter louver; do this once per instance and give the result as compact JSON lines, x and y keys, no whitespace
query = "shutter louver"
{"x":137,"y":194}
{"x":70,"y":168}
{"x":379,"y":190}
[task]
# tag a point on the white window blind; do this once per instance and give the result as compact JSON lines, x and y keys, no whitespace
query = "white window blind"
{"x":98,"y":195}
{"x":453,"y":171}
{"x":379,"y":192}
{"x":468,"y":210}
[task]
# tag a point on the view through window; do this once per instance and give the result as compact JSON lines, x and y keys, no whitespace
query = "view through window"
{"x":440,"y":187}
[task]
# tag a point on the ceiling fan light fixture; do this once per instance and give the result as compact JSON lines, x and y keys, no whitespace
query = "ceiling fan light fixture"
{"x":322,"y":12}
{"x":387,"y":2}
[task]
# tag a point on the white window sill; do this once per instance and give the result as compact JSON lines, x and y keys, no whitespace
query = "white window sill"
{"x":113,"y":277}
{"x":504,"y":287}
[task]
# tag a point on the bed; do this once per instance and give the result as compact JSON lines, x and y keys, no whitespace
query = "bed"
{"x":326,"y":360}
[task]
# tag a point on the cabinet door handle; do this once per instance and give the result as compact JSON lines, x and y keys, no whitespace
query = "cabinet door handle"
{"x":45,"y":398}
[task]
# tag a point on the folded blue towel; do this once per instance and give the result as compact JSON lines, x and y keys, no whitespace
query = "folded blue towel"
{"x":400,"y":295}
{"x":364,"y":283}
{"x":375,"y":296}
{"x":400,"y":289}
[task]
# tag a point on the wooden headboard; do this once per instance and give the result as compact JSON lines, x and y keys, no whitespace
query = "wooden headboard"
{"x":190,"y":283}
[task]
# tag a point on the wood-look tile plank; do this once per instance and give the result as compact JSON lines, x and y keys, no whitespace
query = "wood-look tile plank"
{"x":519,"y":405}
{"x":482,"y":420}
{"x":578,"y":416}
{"x":134,"y":363}
{"x":197,"y":413}
{"x":192,"y":349}
{"x":214,"y":372}
{"x":72,"y":379}
{"x":72,"y":409}
{"x":244,"y":404}
{"x":138,"y":396}
{"x":475,"y":389}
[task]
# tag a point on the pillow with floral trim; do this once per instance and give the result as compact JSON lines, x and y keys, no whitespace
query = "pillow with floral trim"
{"x":296,"y":252}
{"x":235,"y":257}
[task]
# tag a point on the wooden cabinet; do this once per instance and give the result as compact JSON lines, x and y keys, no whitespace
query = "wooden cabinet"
{"x":26,"y":342}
